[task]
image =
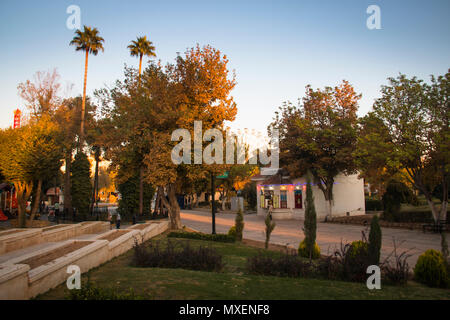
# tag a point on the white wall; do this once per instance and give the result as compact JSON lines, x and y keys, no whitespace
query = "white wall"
{"x":348,"y":194}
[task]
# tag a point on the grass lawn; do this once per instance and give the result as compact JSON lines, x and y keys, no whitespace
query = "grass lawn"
{"x":233,"y":282}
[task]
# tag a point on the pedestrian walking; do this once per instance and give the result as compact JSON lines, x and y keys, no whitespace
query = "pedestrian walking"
{"x":270,"y":210}
{"x":118,"y":221}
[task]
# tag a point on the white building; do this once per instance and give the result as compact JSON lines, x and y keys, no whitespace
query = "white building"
{"x":287,"y":195}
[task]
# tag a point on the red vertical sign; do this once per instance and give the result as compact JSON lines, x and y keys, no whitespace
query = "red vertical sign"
{"x":17,"y":114}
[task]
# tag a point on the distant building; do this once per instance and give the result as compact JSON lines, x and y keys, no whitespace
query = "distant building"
{"x":287,"y":195}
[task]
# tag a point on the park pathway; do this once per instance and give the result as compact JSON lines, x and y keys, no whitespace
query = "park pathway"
{"x":329,"y":235}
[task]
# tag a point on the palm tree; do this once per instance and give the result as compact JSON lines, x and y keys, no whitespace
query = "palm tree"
{"x":90,"y":42}
{"x":140,"y":47}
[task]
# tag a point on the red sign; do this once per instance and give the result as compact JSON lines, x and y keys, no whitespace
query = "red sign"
{"x":17,"y":114}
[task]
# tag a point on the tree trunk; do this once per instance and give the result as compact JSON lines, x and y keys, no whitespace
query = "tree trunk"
{"x":140,"y":69}
{"x":444,"y":203}
{"x":196,"y":200}
{"x":83,"y":103}
{"x":95,"y":190}
{"x":327,"y":189}
{"x":67,"y":184}
{"x":174,"y":208}
{"x":36,"y":201}
{"x":23,"y":191}
{"x":141,"y":190}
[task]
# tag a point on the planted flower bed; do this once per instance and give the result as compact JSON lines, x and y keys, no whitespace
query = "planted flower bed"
{"x":46,"y":257}
{"x":114,"y":235}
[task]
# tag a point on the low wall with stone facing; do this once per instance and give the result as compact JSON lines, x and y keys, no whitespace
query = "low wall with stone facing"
{"x":19,"y":281}
{"x":16,"y":239}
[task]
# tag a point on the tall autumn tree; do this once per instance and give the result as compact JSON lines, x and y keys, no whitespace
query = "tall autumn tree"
{"x":88,"y":41}
{"x":139,"y":48}
{"x":30,"y":153}
{"x":196,"y":87}
{"x":319,"y":135}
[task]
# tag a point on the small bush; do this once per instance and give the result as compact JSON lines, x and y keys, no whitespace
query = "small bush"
{"x":374,"y":205}
{"x":431,"y":269}
{"x":232,"y":232}
{"x":284,"y":266}
{"x":412,"y":216}
{"x":303,"y":252}
{"x":202,"y":236}
{"x":398,"y":272}
{"x":354,"y":260}
{"x":90,"y":292}
{"x":186,"y":257}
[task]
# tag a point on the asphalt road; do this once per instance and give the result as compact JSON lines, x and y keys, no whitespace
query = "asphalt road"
{"x":329,"y":235}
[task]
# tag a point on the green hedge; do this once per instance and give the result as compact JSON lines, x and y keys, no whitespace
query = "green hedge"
{"x":374,"y":205}
{"x":202,"y":236}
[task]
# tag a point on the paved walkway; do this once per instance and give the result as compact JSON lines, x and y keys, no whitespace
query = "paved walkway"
{"x":329,"y":235}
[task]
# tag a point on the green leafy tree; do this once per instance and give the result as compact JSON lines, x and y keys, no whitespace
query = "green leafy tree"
{"x":88,"y":41}
{"x":310,"y":223}
{"x":129,"y":202}
{"x":81,"y":184}
{"x":320,"y":136}
{"x":416,"y":116}
{"x":141,"y":47}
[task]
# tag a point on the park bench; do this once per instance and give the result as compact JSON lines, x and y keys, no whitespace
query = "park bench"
{"x":436,"y":227}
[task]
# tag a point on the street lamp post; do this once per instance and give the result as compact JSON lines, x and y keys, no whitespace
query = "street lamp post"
{"x":213,"y":204}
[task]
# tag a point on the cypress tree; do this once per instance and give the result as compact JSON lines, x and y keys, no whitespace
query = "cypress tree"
{"x":81,"y":184}
{"x":374,"y":241}
{"x":269,"y":228}
{"x":239,"y":223}
{"x":310,"y":223}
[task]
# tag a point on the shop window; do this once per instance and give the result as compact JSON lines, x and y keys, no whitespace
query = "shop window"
{"x":283,"y":199}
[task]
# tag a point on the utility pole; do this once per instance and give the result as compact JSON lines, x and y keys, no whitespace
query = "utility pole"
{"x":213,"y":204}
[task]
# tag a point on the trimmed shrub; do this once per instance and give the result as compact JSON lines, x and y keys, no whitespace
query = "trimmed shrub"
{"x":239,"y":225}
{"x":374,"y":241}
{"x":358,"y":248}
{"x":201,"y":236}
{"x":354,"y":258}
{"x":154,"y":256}
{"x":284,"y":266}
{"x":232,"y":232}
{"x":431,"y":269}
{"x":304,"y":252}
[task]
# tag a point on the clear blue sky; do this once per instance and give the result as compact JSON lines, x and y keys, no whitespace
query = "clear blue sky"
{"x":276,"y":47}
